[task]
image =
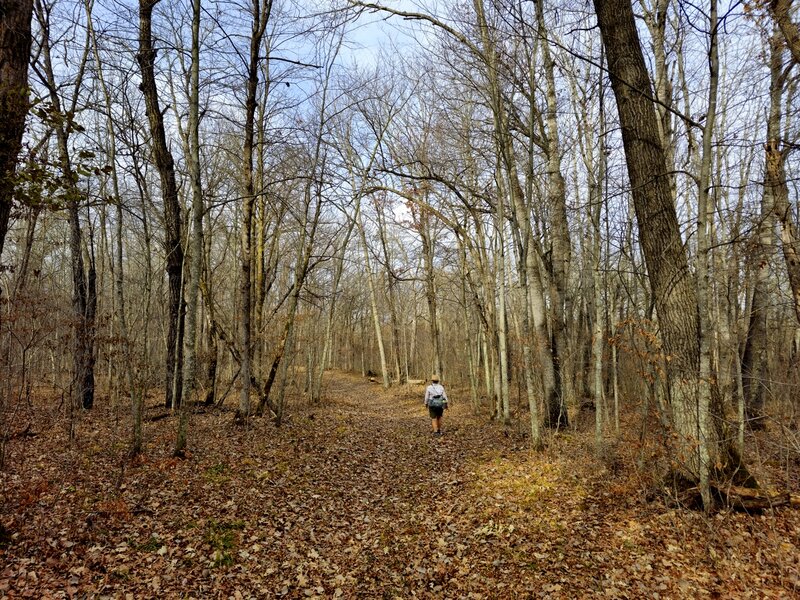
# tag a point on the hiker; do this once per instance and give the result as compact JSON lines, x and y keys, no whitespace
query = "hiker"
{"x":436,"y":401}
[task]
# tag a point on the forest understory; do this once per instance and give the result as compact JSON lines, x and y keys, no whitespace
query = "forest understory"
{"x":354,"y":498}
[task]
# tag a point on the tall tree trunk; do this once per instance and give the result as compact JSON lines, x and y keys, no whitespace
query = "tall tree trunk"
{"x":674,"y":296}
{"x":560,"y":254}
{"x":15,"y":52}
{"x":596,"y":162}
{"x":705,"y":223}
{"x":172,"y":208}
{"x":136,"y":395}
{"x":189,"y":364}
{"x":776,"y":153}
{"x":260,"y":16}
{"x":507,"y":165}
{"x":84,"y":296}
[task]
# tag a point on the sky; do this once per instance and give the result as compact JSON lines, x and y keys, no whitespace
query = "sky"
{"x":374,"y":34}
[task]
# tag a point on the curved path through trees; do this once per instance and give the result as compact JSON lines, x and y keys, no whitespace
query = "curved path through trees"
{"x":355,"y":498}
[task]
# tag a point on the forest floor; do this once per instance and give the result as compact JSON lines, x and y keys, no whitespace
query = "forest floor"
{"x":354,"y":498}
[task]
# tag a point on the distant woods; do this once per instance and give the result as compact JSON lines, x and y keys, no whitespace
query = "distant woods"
{"x":562,"y":212}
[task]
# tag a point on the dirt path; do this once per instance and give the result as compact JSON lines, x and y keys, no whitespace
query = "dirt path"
{"x":356,"y":499}
{"x":387,"y":487}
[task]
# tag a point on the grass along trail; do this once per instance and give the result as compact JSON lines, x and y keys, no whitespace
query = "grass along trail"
{"x":355,"y":498}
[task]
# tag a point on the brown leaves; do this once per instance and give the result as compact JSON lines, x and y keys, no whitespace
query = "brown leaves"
{"x":361,"y":501}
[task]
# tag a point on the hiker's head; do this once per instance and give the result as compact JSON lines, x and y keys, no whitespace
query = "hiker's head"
{"x":435,"y":379}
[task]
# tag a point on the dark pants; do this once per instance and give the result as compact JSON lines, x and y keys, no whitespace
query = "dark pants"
{"x":435,"y":411}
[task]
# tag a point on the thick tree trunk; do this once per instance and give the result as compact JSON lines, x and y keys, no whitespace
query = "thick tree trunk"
{"x":790,"y":30}
{"x":671,"y":282}
{"x":15,"y":52}
{"x":172,"y":208}
{"x":775,"y":159}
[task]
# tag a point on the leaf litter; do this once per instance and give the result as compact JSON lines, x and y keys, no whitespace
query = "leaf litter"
{"x":357,"y":500}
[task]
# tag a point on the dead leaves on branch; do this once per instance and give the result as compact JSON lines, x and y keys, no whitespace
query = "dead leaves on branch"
{"x":361,"y":502}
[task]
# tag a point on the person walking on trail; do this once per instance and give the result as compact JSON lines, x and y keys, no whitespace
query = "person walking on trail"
{"x":436,"y":401}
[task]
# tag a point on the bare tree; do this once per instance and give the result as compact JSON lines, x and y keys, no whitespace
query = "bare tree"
{"x":146,"y":57}
{"x":84,"y":292}
{"x":260,"y":18}
{"x":699,"y":444}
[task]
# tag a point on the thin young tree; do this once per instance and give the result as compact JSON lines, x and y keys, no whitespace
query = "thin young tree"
{"x":260,"y":14}
{"x":135,"y":392}
{"x":62,"y":116}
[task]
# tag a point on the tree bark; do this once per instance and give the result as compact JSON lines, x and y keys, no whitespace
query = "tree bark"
{"x":260,"y":16}
{"x":775,"y":159}
{"x":15,"y":52}
{"x":84,"y":294}
{"x":705,"y":225}
{"x":790,"y":30}
{"x":560,"y":246}
{"x":195,"y":246}
{"x":674,"y":296}
{"x":172,"y":208}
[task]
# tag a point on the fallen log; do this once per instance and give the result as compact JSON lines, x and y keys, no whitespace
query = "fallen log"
{"x":752,"y":499}
{"x":158,"y":417}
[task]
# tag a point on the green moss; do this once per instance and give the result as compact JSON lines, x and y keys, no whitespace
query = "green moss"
{"x":152,"y":544}
{"x":223,"y":538}
{"x":218,"y":473}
